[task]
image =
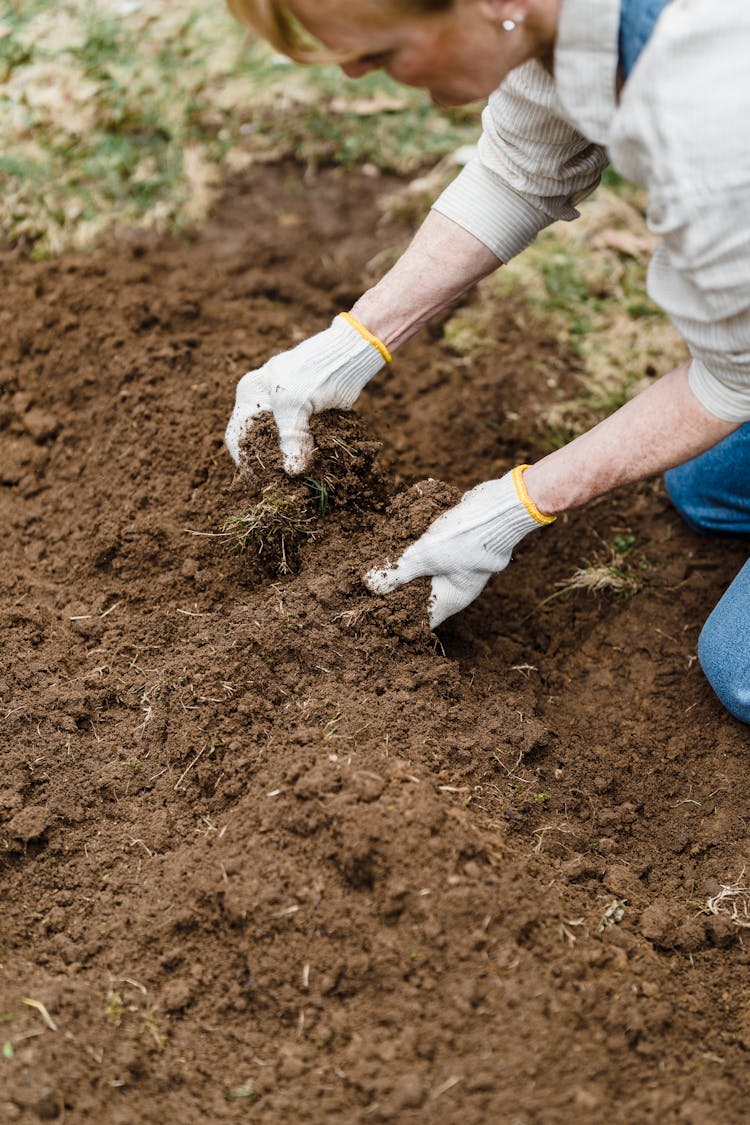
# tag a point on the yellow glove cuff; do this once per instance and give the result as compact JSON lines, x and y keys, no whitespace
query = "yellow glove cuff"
{"x":376,"y":343}
{"x":525,"y":499}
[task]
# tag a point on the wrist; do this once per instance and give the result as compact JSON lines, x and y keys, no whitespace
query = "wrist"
{"x":391,"y":324}
{"x":521,"y":484}
{"x":507,"y":513}
{"x":543,"y":493}
{"x":366,"y":334}
{"x":349,"y":358}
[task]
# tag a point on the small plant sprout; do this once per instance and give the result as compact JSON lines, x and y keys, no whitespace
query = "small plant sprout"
{"x":114,"y":1007}
{"x":613,"y":914}
{"x":242,"y":1093}
{"x":320,"y":491}
{"x":621,"y":544}
{"x":150,"y":1026}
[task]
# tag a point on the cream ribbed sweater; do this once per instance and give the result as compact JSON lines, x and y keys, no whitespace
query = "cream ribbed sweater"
{"x":680,"y":128}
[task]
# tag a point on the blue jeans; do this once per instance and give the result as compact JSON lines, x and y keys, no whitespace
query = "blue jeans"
{"x":712,"y":494}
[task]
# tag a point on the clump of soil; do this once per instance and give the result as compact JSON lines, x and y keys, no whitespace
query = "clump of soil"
{"x":342,"y":498}
{"x":269,"y":848}
{"x":343,"y":470}
{"x":282,"y":512}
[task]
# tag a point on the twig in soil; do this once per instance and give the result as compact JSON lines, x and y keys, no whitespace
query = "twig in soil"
{"x":540,"y":833}
{"x":516,"y":764}
{"x":184,"y":774}
{"x":349,"y":617}
{"x":444,"y":1087}
{"x":42,"y":1011}
{"x":732,"y":900}
{"x":136,"y":984}
{"x":566,"y":932}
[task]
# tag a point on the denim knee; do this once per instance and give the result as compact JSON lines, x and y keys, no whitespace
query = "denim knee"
{"x":724,"y":668}
{"x":683,"y":487}
{"x":712,"y":492}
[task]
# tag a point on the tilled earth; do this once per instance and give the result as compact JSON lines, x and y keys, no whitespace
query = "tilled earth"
{"x":271,"y":850}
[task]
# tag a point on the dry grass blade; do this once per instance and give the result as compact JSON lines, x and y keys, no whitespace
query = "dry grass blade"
{"x":594,"y":579}
{"x":275,"y":525}
{"x":733,"y":901}
{"x":599,"y":578}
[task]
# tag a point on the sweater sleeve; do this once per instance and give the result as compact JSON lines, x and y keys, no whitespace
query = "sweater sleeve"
{"x":532,"y":167}
{"x":682,"y":132}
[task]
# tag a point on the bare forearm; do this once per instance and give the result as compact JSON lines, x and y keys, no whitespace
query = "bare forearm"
{"x":660,"y":428}
{"x":441,"y":262}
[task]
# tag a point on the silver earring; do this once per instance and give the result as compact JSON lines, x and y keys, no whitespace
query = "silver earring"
{"x":509,"y":25}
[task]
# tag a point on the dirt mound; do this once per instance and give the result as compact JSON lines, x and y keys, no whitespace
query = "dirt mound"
{"x":273,"y":851}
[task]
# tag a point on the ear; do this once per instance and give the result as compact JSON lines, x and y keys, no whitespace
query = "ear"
{"x":498,"y":10}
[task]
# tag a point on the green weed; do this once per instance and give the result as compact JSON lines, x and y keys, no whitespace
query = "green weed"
{"x":320,"y":491}
{"x":114,"y":1007}
{"x":242,"y":1093}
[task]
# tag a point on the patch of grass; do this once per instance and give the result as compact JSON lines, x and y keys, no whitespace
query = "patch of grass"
{"x":134,"y":116}
{"x":595,"y":578}
{"x":611,"y":575}
{"x":275,"y":526}
{"x":467,"y":333}
{"x":567,"y":290}
{"x":586,"y":285}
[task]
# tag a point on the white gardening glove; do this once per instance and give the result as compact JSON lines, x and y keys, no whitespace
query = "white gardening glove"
{"x":326,"y":372}
{"x":465,"y":545}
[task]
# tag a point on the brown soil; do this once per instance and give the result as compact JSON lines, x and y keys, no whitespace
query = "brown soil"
{"x":270,"y":850}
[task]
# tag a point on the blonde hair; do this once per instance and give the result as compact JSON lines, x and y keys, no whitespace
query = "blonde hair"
{"x":276,"y":24}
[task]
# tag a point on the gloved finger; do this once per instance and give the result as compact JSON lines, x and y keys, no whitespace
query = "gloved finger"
{"x":236,"y":431}
{"x":295,"y":439}
{"x":453,"y":592}
{"x":411,"y":565}
{"x":251,"y":400}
